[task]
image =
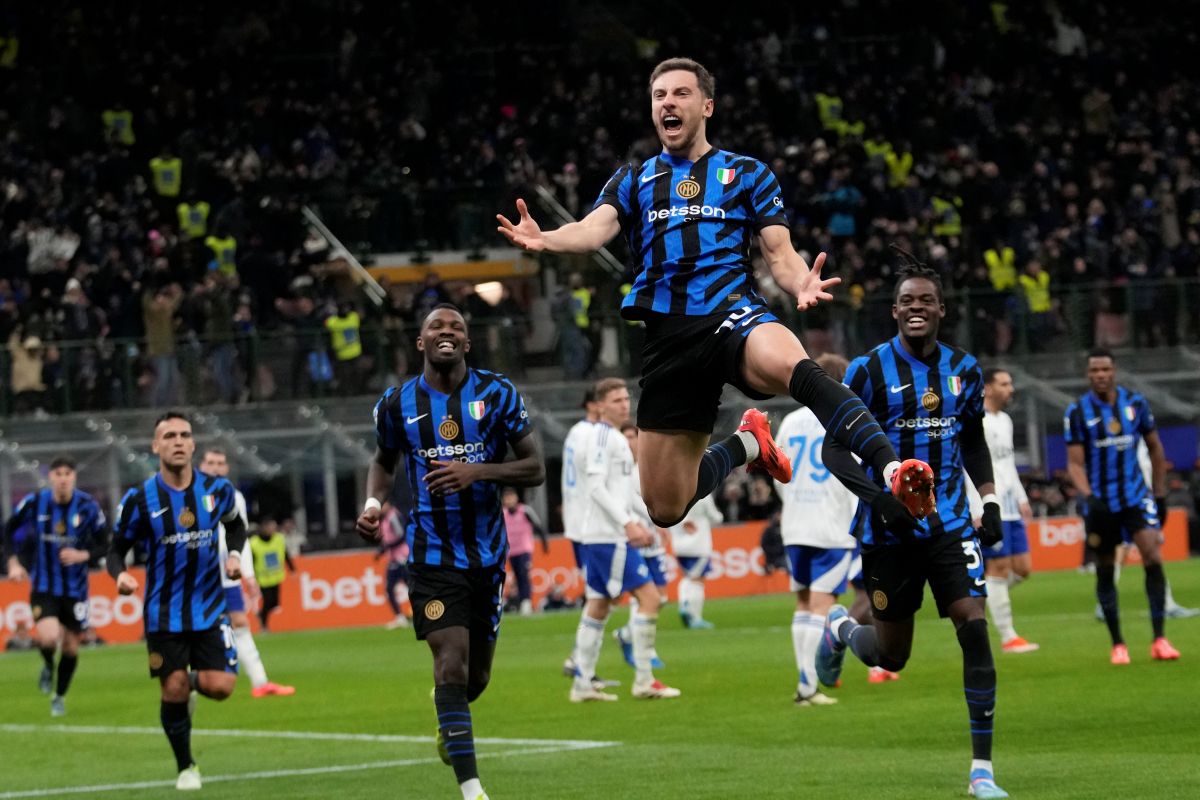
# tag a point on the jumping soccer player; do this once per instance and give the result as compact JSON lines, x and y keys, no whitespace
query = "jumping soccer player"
{"x":453,"y":426}
{"x":1007,"y":562}
{"x":929,"y":397}
{"x":689,"y":214}
{"x":817,"y":517}
{"x":176,"y":516}
{"x":66,"y":529}
{"x":1102,"y":430}
{"x":613,"y":565}
{"x":215,"y":462}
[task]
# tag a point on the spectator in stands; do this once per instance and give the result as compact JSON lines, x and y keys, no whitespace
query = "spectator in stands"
{"x":159,"y":307}
{"x":522,"y":525}
{"x":269,"y":549}
{"x":28,"y":362}
{"x":214,"y":300}
{"x":345,"y":341}
{"x":1035,"y":287}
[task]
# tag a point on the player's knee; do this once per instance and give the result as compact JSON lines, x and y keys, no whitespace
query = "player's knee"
{"x":477,"y":685}
{"x":667,"y":514}
{"x":450,"y":668}
{"x":892,"y":664}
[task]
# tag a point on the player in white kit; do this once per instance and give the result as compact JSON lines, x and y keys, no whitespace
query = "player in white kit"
{"x":817,"y":517}
{"x":655,"y":555}
{"x":613,"y":566}
{"x":215,"y":463}
{"x":691,"y":540}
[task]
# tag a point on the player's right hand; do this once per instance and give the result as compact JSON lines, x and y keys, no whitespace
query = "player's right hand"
{"x":991,"y":531}
{"x":126,"y":583}
{"x":367,"y":525}
{"x":637,"y":535}
{"x":526,"y":234}
{"x":17,"y":572}
{"x":895,"y":516}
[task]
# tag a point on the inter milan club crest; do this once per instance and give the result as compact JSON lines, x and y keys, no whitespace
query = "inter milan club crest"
{"x":687,"y":189}
{"x":930,"y":401}
{"x":186,"y":518}
{"x":1114,"y":426}
{"x":954,"y":385}
{"x":60,"y":527}
{"x":476,"y":409}
{"x":726,"y":176}
{"x":448,"y":429}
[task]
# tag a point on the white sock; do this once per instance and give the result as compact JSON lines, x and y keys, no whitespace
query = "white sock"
{"x":888,"y":472}
{"x":814,"y":628}
{"x":799,"y":631}
{"x":249,"y":657}
{"x":1000,"y":606}
{"x":645,"y":630}
{"x":472,"y":789}
{"x":685,"y":597}
{"x":979,"y":763}
{"x":1117,"y":572}
{"x":836,"y":627}
{"x":588,"y":638}
{"x":1169,"y":600}
{"x":750,"y":443}
{"x":697,"y":599}
{"x":1014,"y":579}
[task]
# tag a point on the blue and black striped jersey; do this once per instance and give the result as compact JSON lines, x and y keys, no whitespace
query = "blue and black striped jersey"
{"x":689,"y":225}
{"x":474,"y":423}
{"x":1109,"y":433}
{"x":179,"y":531}
{"x":49,"y":527}
{"x":921,"y":405}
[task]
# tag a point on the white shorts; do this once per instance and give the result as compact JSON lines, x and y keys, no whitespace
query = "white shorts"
{"x":611,"y":570}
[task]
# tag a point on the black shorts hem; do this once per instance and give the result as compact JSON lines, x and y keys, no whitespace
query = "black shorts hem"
{"x":211,"y":649}
{"x":450,"y":597}
{"x":67,"y":610}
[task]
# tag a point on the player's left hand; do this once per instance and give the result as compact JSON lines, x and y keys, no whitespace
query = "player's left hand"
{"x":448,"y":477}
{"x":812,"y":288}
{"x":1161,"y":504}
{"x":233,"y":567}
{"x":70,"y":556}
{"x":1026,"y":512}
{"x":992,"y":531}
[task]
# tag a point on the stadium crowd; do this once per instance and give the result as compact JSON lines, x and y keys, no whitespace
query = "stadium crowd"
{"x":1027,"y":153}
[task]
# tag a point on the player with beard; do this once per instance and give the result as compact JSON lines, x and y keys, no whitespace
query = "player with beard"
{"x":453,"y":426}
{"x":690,"y":214}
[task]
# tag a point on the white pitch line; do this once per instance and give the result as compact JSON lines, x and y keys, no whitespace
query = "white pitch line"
{"x":546,"y":746}
{"x":331,"y":736}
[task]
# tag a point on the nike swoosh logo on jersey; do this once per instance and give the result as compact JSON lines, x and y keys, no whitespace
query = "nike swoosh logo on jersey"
{"x":1092,"y":422}
{"x":898,"y":389}
{"x":411,"y":420}
{"x":850,"y":425}
{"x":157,"y":514}
{"x":648,"y":178}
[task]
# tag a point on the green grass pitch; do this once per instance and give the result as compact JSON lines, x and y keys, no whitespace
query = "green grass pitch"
{"x":1069,"y":725}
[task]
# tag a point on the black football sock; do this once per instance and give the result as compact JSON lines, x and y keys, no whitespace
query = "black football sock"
{"x":48,"y":657}
{"x":454,"y":722}
{"x":842,"y":413}
{"x":719,"y":460}
{"x":1106,"y":593}
{"x":66,"y":670}
{"x":178,"y":727}
{"x":1156,"y":592}
{"x":861,"y":640}
{"x":979,"y":685}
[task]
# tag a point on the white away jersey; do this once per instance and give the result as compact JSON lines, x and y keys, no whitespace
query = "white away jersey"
{"x":817,"y":509}
{"x":642,"y":515}
{"x":606,"y":486}
{"x":239,"y":503}
{"x":698,"y":543}
{"x":998,"y":429}
{"x":574,"y":464}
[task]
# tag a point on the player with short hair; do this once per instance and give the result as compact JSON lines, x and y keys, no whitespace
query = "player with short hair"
{"x":929,"y":398}
{"x":690,"y":214}
{"x":65,"y":530}
{"x":1007,"y":562}
{"x":452,"y":425}
{"x":215,"y":462}
{"x":815,"y":523}
{"x":613,"y":566}
{"x":176,"y":516}
{"x":1102,"y":430}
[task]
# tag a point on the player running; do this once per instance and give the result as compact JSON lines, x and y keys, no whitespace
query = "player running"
{"x":453,"y":425}
{"x":689,"y":214}
{"x":65,"y":530}
{"x":1102,"y":430}
{"x":176,"y":516}
{"x":929,"y":397}
{"x":817,"y":516}
{"x":215,"y":462}
{"x":613,"y":566}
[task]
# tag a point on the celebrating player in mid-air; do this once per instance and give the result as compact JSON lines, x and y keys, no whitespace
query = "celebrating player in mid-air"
{"x":1102,"y":430}
{"x":453,"y":426}
{"x":689,"y":214}
{"x":176,"y":515}
{"x":929,"y":397}
{"x":66,"y":529}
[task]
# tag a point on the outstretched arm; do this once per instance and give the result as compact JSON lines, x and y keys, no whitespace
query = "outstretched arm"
{"x":790,"y":270}
{"x":589,"y":234}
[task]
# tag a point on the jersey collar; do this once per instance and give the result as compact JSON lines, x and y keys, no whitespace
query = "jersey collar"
{"x":675,"y":161}
{"x":925,"y":363}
